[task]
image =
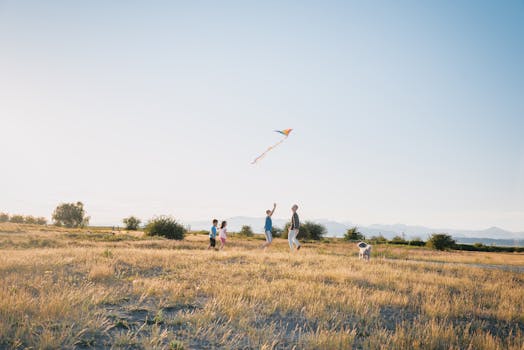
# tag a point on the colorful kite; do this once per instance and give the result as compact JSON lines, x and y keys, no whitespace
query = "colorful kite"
{"x":284,"y":132}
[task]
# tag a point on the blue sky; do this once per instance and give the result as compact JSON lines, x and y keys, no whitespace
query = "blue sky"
{"x":405,"y":111}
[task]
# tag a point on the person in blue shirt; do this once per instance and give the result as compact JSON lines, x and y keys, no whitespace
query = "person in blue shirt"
{"x":213,"y":234}
{"x":268,"y":227}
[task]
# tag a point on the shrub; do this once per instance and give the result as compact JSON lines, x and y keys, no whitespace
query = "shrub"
{"x":378,"y":239}
{"x":398,"y":240}
{"x":4,"y":217}
{"x":285,"y":230}
{"x":165,"y":226}
{"x":30,"y":220}
{"x":17,"y":219}
{"x":41,"y":221}
{"x":70,"y":215}
{"x":441,"y":241}
{"x":417,"y":242}
{"x":246,"y":231}
{"x":311,"y":230}
{"x":276,"y":231}
{"x":131,"y":223}
{"x":353,"y":234}
{"x":308,"y":230}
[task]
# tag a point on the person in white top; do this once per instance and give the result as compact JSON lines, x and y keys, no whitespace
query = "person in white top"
{"x":222,"y":234}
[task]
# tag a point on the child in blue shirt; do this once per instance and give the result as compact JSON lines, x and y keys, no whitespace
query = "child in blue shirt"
{"x":213,"y":234}
{"x":268,"y":227}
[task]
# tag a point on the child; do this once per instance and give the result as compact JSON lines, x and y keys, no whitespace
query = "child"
{"x":268,"y":227}
{"x":213,"y":234}
{"x":222,"y":234}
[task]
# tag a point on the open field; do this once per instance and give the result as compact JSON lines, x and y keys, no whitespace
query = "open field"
{"x":90,"y":289}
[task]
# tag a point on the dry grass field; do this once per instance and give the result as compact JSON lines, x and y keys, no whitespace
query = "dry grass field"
{"x":81,"y":289}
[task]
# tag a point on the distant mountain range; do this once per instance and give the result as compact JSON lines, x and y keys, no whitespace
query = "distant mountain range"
{"x":489,"y":236}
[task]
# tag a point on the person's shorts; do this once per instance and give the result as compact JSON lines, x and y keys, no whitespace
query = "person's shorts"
{"x":269,"y":236}
{"x":223,"y":240}
{"x":212,"y":241}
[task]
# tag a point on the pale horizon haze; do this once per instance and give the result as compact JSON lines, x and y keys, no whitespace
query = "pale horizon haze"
{"x":402,"y":112}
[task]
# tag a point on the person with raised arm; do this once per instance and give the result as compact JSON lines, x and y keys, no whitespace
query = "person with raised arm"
{"x":268,"y":227}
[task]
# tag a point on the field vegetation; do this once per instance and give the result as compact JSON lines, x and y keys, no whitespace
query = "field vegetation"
{"x":96,"y":288}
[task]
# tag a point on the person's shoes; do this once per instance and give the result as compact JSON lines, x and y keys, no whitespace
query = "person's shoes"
{"x":298,"y":248}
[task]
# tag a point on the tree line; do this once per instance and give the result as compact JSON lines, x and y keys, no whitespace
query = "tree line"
{"x":23,"y":219}
{"x":73,"y":215}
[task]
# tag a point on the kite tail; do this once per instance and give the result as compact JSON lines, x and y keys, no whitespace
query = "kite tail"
{"x":267,"y":150}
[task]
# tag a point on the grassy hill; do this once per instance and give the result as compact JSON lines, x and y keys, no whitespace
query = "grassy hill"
{"x":92,"y":288}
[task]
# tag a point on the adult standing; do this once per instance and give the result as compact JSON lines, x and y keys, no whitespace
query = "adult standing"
{"x":293,"y":229}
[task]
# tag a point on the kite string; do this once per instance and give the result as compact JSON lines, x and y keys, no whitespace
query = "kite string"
{"x":267,"y":150}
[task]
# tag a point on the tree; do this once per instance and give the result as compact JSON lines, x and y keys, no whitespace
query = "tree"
{"x":70,"y":215}
{"x":353,"y":234}
{"x":131,"y":223}
{"x":4,"y":217}
{"x":17,"y":219}
{"x":441,"y":241}
{"x":246,"y":231}
{"x":165,"y":226}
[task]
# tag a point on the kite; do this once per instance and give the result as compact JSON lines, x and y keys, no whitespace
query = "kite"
{"x":284,"y":132}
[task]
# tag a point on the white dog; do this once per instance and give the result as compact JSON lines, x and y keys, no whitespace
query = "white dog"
{"x":365,"y":251}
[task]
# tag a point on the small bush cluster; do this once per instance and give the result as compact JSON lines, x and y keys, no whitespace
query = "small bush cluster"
{"x":378,"y":240}
{"x":22,"y":219}
{"x":353,"y":235}
{"x":479,"y":247}
{"x":165,"y":226}
{"x":246,"y":231}
{"x":276,"y":231}
{"x":308,"y":231}
{"x":441,"y":241}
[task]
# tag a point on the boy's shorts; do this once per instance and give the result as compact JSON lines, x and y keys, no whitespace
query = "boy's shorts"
{"x":212,"y":241}
{"x":269,"y":236}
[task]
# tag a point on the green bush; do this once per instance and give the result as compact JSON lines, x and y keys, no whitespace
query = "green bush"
{"x":417,"y":242}
{"x":246,"y":231}
{"x":41,"y":220}
{"x":17,"y":219}
{"x":276,"y":231}
{"x":441,"y":241}
{"x":398,"y":240}
{"x":70,"y":215}
{"x":4,"y":217}
{"x":353,"y":234}
{"x":165,"y":226}
{"x":308,"y":230}
{"x":285,"y":230}
{"x":479,"y":247}
{"x":378,"y":239}
{"x":30,"y":220}
{"x":311,"y":230}
{"x":131,"y":223}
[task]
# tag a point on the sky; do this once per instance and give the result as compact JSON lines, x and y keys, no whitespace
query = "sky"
{"x":403,"y":112}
